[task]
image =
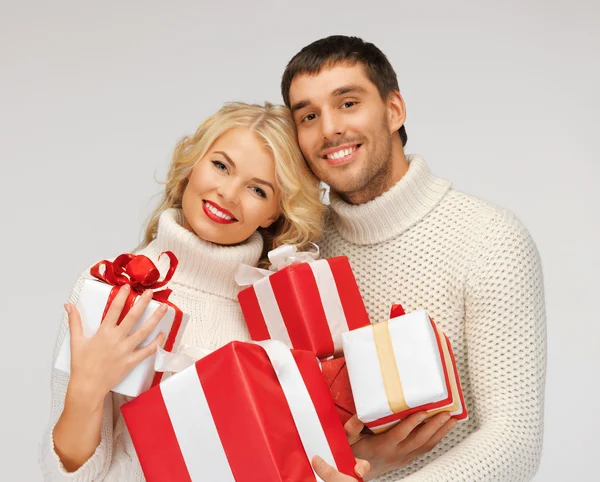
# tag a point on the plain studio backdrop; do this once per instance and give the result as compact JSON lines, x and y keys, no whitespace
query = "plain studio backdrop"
{"x":501,"y":98}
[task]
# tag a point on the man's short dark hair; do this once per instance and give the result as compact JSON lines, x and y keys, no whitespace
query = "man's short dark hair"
{"x":340,"y":49}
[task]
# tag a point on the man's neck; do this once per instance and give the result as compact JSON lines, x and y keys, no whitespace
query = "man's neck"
{"x":383,"y":181}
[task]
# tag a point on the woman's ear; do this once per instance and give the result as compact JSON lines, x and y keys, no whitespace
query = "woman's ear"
{"x":271,"y":220}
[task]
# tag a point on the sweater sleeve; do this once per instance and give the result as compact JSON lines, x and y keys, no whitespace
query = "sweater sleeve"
{"x":505,"y":325}
{"x":96,"y":467}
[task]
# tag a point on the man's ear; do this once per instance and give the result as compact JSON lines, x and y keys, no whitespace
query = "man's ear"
{"x":396,"y":110}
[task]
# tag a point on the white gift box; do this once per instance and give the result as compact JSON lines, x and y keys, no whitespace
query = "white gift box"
{"x":91,"y":305}
{"x":397,"y":368}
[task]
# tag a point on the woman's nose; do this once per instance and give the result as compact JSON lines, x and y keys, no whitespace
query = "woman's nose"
{"x":229,"y":192}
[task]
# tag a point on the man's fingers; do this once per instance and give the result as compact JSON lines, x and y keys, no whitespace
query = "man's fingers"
{"x":436,"y":437}
{"x":419,"y":437}
{"x":75,"y":327}
{"x":326,"y":471}
{"x":400,"y":432}
{"x":115,"y":308}
{"x":133,"y":315}
{"x":144,"y":331}
{"x":142,"y":353}
{"x":362,"y":467}
{"x":353,"y":428}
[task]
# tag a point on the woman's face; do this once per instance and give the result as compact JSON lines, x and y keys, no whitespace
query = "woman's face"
{"x":232,"y":190}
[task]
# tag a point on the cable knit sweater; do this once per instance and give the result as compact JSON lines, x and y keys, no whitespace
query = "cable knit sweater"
{"x":204,"y":287}
{"x":474,"y":268}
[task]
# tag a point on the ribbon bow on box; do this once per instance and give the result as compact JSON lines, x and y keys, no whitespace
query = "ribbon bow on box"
{"x":137,"y":271}
{"x":280,"y":257}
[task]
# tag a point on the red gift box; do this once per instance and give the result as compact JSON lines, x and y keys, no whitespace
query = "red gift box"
{"x":245,"y":412}
{"x":306,"y":305}
{"x":336,"y":377}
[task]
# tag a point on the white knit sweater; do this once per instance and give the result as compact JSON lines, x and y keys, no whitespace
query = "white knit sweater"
{"x":474,"y":268}
{"x":204,"y":287}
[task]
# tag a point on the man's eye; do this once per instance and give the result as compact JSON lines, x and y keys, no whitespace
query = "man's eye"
{"x":220,"y":166}
{"x":309,"y":117}
{"x":259,"y":191}
{"x":347,"y":105}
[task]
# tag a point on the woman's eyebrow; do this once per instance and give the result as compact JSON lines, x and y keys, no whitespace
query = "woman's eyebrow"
{"x":224,"y":154}
{"x":262,"y":181}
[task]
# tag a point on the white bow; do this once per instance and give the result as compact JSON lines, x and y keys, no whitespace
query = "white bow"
{"x":280,"y":257}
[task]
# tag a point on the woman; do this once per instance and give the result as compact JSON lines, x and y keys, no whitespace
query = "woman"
{"x":235,"y":189}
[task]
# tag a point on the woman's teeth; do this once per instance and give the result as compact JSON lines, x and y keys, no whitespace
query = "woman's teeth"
{"x":216,"y":212}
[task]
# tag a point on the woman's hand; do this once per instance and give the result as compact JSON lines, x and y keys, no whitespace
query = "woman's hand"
{"x":100,"y":362}
{"x":329,"y":474}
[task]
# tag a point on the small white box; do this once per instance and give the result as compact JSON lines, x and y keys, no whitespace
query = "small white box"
{"x":91,"y":305}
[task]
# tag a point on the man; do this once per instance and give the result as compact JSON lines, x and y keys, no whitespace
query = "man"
{"x":412,"y":239}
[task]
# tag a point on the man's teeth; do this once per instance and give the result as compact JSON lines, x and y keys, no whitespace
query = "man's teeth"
{"x":342,"y":153}
{"x":216,"y":212}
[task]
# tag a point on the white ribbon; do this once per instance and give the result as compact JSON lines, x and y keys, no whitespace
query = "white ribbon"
{"x":280,"y":257}
{"x":303,"y":410}
{"x":187,"y":355}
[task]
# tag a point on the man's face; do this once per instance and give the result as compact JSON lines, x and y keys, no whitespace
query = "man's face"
{"x":343,"y":127}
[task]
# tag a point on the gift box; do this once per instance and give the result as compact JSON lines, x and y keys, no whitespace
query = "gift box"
{"x":96,"y":296}
{"x":245,"y":412}
{"x":335,"y":373}
{"x":306,"y":305}
{"x":400,"y":367}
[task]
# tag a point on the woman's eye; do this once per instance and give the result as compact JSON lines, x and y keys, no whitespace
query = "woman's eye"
{"x":347,"y":105}
{"x":309,"y":117}
{"x":259,"y":191}
{"x":220,"y":166}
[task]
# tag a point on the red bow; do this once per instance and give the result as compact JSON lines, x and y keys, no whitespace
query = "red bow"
{"x":137,"y":271}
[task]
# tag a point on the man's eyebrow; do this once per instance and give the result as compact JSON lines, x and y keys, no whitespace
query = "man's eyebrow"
{"x":346,"y":89}
{"x":300,"y":105}
{"x":224,"y":154}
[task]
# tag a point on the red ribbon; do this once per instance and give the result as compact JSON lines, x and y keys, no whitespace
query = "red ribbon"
{"x":139,"y":272}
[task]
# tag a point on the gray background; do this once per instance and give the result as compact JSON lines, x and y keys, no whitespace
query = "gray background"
{"x":502,"y":100}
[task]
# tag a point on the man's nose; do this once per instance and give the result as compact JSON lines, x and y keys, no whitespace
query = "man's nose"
{"x":331,"y":125}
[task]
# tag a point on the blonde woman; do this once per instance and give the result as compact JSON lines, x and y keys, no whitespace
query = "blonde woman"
{"x":237,"y":188}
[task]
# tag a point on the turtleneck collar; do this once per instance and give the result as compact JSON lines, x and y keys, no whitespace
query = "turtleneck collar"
{"x":394,"y":211}
{"x":203,"y":265}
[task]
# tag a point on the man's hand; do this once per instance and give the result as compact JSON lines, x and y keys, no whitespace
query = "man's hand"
{"x":329,"y":474}
{"x":401,"y":444}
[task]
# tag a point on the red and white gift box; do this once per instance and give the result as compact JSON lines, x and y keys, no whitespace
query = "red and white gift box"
{"x":400,"y":367}
{"x":244,"y":413}
{"x":306,"y":305}
{"x":95,"y":297}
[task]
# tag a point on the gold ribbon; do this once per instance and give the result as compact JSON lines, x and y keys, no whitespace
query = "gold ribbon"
{"x":389,"y":368}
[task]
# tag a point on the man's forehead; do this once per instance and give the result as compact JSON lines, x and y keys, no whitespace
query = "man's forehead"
{"x":309,"y":87}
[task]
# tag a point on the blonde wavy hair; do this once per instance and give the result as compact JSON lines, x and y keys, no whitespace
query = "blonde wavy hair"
{"x":301,"y":218}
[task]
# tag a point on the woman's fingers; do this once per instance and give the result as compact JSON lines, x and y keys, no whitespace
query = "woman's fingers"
{"x":135,"y":312}
{"x":141,"y":354}
{"x":116,"y":307}
{"x":75,"y":327}
{"x":139,"y":335}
